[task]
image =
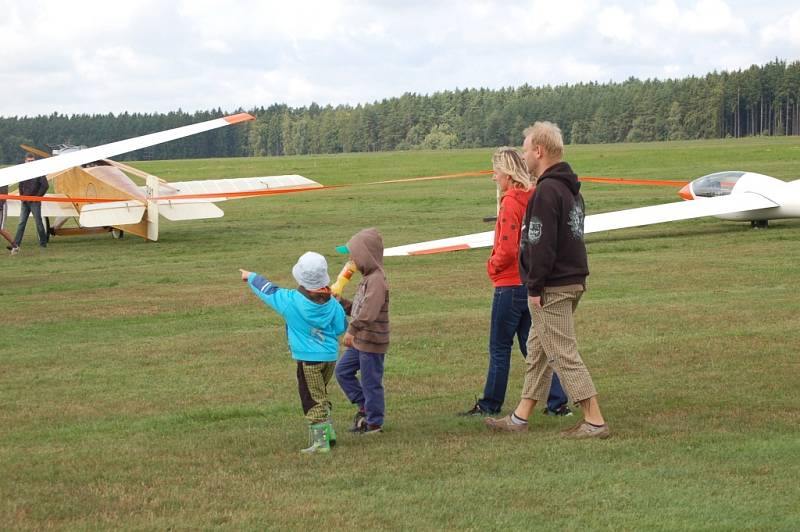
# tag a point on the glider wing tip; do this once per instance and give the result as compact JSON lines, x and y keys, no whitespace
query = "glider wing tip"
{"x":241,"y":117}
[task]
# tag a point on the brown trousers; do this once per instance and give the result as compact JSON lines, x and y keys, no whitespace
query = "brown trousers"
{"x":552,"y":346}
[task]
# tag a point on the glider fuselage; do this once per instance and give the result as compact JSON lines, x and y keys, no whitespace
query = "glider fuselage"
{"x":785,"y":194}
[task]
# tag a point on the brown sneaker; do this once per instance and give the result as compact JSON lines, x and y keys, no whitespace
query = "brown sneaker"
{"x":584,"y":431}
{"x":505,"y":424}
{"x":572,"y":429}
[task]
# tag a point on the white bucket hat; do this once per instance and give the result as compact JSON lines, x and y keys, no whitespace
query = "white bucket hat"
{"x":311,"y":271}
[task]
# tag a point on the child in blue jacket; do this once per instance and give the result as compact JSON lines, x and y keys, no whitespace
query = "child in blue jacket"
{"x":314,"y":321}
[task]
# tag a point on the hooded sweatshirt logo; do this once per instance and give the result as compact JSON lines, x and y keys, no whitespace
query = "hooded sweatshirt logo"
{"x":576,"y":221}
{"x":534,"y":230}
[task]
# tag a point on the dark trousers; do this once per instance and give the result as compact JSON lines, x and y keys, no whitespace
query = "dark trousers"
{"x":26,"y":209}
{"x":367,"y":393}
{"x":510,"y":317}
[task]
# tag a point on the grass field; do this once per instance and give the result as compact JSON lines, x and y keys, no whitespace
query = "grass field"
{"x":143,"y":387}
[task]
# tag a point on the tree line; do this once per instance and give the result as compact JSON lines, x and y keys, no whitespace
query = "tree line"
{"x":761,"y":100}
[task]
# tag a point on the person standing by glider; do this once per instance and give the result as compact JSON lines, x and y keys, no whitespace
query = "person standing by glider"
{"x":32,"y":187}
{"x":553,"y":267}
{"x":510,"y":314}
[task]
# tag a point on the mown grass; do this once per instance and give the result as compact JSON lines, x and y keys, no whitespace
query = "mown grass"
{"x":142,"y":386}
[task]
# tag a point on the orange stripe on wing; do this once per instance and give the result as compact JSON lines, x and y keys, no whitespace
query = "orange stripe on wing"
{"x":241,"y":117}
{"x":443,"y":249}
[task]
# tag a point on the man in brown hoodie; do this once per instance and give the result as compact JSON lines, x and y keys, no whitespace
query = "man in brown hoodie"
{"x":367,"y":336}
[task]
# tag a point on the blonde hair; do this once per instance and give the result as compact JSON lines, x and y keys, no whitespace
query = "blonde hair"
{"x":510,"y":162}
{"x":548,"y":136}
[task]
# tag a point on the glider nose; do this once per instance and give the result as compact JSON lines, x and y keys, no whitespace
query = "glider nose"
{"x":686,"y":192}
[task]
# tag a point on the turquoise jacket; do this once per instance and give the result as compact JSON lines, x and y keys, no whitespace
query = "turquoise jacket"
{"x":312,"y":328}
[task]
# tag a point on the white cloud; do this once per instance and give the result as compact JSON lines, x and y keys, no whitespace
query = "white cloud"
{"x":712,"y":17}
{"x":663,"y":13}
{"x":146,"y":55}
{"x":785,"y":31}
{"x":615,"y":24}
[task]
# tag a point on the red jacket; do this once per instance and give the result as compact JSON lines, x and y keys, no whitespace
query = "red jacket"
{"x":503,"y":265}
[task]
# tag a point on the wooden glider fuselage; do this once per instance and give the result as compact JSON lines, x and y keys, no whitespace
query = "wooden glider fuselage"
{"x":100,"y":181}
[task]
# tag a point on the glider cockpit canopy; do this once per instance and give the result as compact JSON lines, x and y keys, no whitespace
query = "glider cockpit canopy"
{"x":717,"y":184}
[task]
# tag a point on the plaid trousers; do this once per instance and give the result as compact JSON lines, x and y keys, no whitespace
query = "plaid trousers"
{"x":552,"y":346}
{"x":312,"y":382}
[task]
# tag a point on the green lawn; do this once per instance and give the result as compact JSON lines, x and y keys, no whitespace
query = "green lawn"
{"x":143,"y":387}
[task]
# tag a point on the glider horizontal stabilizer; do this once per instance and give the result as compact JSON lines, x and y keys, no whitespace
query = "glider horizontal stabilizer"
{"x":111,"y":213}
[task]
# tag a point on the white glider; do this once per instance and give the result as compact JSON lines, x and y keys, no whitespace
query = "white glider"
{"x":740,"y":196}
{"x":102,"y":198}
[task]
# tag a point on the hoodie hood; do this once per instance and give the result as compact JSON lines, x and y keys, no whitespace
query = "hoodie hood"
{"x":366,"y":250}
{"x":317,"y":314}
{"x":562,"y":172}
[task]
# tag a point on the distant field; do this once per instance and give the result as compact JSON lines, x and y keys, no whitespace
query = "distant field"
{"x":143,"y":387}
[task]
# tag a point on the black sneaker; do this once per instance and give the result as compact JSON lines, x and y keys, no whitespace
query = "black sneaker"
{"x":359,"y":422}
{"x":372,"y":429}
{"x":562,"y":411}
{"x":477,"y":410}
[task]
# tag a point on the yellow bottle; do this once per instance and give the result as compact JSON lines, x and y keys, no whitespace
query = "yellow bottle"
{"x":343,"y":278}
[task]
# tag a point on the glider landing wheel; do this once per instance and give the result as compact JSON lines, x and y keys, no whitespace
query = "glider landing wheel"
{"x":759,"y":224}
{"x":117,"y":233}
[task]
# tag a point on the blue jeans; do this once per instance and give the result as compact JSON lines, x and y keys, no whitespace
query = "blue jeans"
{"x":510,"y":317}
{"x":368,"y":393}
{"x":25,"y":210}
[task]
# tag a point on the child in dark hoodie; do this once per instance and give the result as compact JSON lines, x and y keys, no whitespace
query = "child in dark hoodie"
{"x":314,"y":322}
{"x":367,"y":336}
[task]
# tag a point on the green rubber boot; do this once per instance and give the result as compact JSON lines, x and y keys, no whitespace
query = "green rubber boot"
{"x":318,"y":436}
{"x":330,"y":432}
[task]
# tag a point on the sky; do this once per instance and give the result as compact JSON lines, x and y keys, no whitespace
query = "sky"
{"x":98,"y":56}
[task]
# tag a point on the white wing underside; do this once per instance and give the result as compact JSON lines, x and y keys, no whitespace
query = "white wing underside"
{"x":233,"y":185}
{"x":203,"y":208}
{"x":668,"y":212}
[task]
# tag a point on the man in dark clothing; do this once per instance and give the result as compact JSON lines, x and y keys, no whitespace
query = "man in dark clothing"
{"x":553,"y":267}
{"x":32,"y":187}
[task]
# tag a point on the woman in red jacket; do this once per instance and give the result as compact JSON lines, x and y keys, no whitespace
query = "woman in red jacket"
{"x":510,"y":314}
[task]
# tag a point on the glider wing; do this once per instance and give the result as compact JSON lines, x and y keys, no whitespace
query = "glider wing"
{"x":25,"y":171}
{"x":680,"y":210}
{"x":236,"y":187}
{"x":475,"y":240}
{"x":203,"y":194}
{"x":57,"y":209}
{"x":668,"y":212}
